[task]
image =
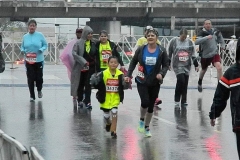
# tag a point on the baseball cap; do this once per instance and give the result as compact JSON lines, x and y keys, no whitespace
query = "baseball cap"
{"x":79,"y":30}
{"x":148,"y":27}
{"x":233,"y":36}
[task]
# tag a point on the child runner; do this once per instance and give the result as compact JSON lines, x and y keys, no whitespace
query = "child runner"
{"x":110,"y":84}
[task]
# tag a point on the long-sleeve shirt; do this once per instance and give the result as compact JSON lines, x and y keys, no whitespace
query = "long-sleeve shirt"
{"x":34,"y":43}
{"x":182,"y":54}
{"x":209,"y":47}
{"x":228,"y":86}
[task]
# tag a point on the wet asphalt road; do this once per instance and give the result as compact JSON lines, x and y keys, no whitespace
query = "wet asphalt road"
{"x":59,"y":131}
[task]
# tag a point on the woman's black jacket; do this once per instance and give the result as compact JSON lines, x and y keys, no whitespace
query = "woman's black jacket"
{"x":161,"y":67}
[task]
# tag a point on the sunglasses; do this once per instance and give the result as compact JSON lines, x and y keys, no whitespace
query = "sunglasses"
{"x":152,"y":30}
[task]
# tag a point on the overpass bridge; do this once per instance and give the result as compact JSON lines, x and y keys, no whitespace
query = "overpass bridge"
{"x":120,"y":8}
{"x":111,"y":14}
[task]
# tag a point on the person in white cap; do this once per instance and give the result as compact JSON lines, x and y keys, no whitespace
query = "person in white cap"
{"x":231,"y":46}
{"x":143,"y":41}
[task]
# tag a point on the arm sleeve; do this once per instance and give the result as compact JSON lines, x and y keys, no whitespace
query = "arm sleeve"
{"x":220,"y":98}
{"x":221,"y":40}
{"x":200,"y":40}
{"x":22,"y":46}
{"x":194,"y":56}
{"x":139,"y":42}
{"x":116,"y":53}
{"x":76,"y":57}
{"x":165,"y":63}
{"x":133,"y":63}
{"x":44,"y":44}
{"x":125,"y":84}
{"x":170,"y":50}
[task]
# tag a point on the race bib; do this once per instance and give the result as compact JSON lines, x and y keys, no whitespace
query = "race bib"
{"x":140,"y":72}
{"x":105,"y":55}
{"x":151,"y":61}
{"x":86,"y":68}
{"x":183,"y":56}
{"x":31,"y":58}
{"x":112,"y":85}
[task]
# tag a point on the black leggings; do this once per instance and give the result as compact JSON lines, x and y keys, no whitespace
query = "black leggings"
{"x":181,"y":88}
{"x":34,"y":74}
{"x":85,"y":87}
{"x":238,"y":143}
{"x":148,"y":95}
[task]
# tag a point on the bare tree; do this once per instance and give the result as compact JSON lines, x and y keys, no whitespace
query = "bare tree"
{"x":7,"y":25}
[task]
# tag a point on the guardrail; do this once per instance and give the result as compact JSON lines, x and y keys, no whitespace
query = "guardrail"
{"x":57,"y":42}
{"x":34,"y":154}
{"x":11,"y":149}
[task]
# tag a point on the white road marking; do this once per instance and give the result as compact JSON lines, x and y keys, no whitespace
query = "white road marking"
{"x":50,"y":77}
{"x":7,"y":77}
{"x":164,"y":120}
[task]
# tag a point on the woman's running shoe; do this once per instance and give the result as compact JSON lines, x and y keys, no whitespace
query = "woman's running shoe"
{"x":141,"y":126}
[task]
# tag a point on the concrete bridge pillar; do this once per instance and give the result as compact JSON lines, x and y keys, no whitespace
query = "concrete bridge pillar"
{"x":112,"y":27}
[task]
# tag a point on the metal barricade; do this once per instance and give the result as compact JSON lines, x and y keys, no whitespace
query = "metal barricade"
{"x":12,"y":149}
{"x":34,"y":154}
{"x":57,"y":42}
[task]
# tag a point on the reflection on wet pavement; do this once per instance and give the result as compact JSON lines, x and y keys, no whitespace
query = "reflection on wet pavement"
{"x":61,"y":130}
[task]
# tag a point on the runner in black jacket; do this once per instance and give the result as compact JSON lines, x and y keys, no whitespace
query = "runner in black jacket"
{"x":229,"y":86}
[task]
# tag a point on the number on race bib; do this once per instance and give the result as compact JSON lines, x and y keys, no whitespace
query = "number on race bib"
{"x":183,"y":59}
{"x":112,"y":88}
{"x":86,"y":68}
{"x":151,"y":61}
{"x":105,"y":55}
{"x":140,"y":74}
{"x":31,"y":58}
{"x":112,"y":85}
{"x":183,"y":56}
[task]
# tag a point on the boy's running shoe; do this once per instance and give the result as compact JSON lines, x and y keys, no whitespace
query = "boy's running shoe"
{"x":108,"y":126}
{"x":114,"y":135}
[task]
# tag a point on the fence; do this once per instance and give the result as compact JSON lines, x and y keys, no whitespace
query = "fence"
{"x":11,"y":149}
{"x":57,"y":41}
{"x":34,"y":154}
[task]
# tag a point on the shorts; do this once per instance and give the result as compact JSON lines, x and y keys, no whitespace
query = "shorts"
{"x":205,"y":62}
